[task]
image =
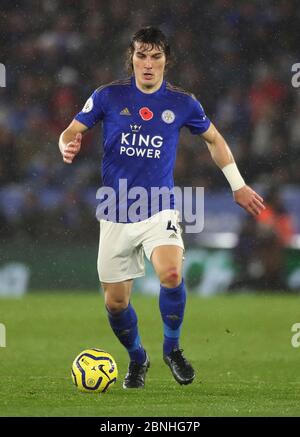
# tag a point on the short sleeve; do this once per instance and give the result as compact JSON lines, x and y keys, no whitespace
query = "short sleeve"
{"x":196,"y":121}
{"x":92,"y":112}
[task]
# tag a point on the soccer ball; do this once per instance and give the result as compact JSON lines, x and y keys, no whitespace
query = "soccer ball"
{"x":94,"y":370}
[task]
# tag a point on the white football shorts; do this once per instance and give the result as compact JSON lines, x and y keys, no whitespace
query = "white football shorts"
{"x":122,"y":245}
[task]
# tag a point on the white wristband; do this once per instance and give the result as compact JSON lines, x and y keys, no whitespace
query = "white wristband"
{"x":232,"y":174}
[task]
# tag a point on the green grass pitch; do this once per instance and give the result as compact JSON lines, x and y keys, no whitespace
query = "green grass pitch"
{"x":239,"y":345}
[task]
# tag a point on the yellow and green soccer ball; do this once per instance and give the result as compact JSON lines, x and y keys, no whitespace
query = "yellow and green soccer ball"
{"x":94,"y":370}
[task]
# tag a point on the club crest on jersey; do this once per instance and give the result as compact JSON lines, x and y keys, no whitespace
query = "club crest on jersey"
{"x":146,"y":113}
{"x":168,"y":116}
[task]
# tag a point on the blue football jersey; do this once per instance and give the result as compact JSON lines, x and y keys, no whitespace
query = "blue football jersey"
{"x":140,"y":136}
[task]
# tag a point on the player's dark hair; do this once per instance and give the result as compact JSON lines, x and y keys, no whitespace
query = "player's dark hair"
{"x":153,"y":37}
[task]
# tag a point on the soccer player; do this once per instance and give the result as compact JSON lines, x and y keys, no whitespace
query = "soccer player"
{"x":142,"y":117}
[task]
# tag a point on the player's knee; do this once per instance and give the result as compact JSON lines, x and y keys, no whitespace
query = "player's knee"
{"x":116,"y":298}
{"x":115,"y":306}
{"x":170,"y":278}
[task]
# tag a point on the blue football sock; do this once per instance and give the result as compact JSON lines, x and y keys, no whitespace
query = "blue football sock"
{"x":172,"y":305}
{"x":124,"y":325}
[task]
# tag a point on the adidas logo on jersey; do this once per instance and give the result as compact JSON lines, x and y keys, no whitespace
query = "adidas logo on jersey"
{"x":173,"y":236}
{"x":125,"y":111}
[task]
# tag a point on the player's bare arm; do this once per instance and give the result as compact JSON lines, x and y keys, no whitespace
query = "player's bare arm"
{"x":222,"y":156}
{"x":70,"y":140}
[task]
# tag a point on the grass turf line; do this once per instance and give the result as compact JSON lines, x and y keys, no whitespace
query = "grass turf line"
{"x":239,"y":345}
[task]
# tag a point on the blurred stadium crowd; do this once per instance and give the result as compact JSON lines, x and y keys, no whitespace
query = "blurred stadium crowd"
{"x":236,"y":57}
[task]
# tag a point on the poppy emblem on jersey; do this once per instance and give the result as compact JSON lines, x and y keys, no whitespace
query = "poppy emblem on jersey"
{"x":146,"y":113}
{"x":168,"y":116}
